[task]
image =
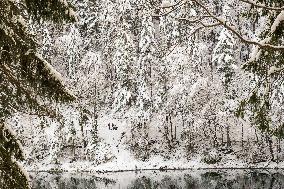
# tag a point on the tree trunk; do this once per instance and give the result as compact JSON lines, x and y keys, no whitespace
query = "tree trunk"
{"x":222,"y":135}
{"x":175,"y":132}
{"x":215,"y":135}
{"x":171,"y":126}
{"x":278,"y":149}
{"x":256,"y":136}
{"x":270,"y":145}
{"x":73,"y":147}
{"x":151,"y":85}
{"x":228,"y":137}
{"x":242,"y":137}
{"x":190,"y":136}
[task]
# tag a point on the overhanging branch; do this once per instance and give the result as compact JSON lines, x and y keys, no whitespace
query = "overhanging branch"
{"x":231,"y":28}
{"x":262,"y":44}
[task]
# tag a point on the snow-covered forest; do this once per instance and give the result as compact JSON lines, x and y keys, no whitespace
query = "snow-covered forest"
{"x":111,"y":85}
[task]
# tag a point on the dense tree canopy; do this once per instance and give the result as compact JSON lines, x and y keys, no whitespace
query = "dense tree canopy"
{"x":155,"y":78}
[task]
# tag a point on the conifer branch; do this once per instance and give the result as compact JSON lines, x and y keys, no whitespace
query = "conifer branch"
{"x":27,"y":92}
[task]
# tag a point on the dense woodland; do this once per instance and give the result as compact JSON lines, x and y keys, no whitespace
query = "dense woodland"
{"x":91,"y":80}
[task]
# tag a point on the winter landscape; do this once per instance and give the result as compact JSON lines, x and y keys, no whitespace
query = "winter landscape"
{"x":141,"y":94}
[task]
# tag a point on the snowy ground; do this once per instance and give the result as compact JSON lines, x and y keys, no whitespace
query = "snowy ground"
{"x":125,"y":161}
{"x":155,"y":163}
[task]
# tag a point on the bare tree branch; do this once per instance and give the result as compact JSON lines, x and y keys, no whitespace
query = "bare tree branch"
{"x":210,"y":25}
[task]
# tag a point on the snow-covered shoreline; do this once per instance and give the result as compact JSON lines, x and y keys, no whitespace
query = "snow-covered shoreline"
{"x":138,"y":166}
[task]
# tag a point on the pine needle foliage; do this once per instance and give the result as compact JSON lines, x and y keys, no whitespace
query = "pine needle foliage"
{"x":26,"y":79}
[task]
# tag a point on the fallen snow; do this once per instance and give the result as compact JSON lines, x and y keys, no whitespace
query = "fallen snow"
{"x":124,"y":160}
{"x":128,"y":163}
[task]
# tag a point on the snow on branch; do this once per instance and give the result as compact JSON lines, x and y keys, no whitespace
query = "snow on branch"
{"x":224,"y":23}
{"x":254,"y":3}
{"x":221,"y":21}
{"x":277,"y":21}
{"x":197,"y":20}
{"x":28,"y":94}
{"x":9,"y":136}
{"x":55,"y":75}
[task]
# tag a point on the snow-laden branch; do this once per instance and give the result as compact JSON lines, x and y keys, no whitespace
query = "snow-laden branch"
{"x":277,"y":21}
{"x":209,"y":25}
{"x":55,"y":75}
{"x":254,"y":3}
{"x":203,"y":26}
{"x":221,"y":21}
{"x":263,"y":44}
{"x":199,"y":20}
{"x":257,"y":51}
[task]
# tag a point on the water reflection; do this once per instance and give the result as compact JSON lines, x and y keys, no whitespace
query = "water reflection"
{"x":205,"y":179}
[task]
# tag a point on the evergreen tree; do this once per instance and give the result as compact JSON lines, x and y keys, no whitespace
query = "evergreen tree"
{"x":223,"y":57}
{"x":26,"y":79}
{"x":224,"y":61}
{"x":267,"y":66}
{"x":124,"y":61}
{"x":146,"y":62}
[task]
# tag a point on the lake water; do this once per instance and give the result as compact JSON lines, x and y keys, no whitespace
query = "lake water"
{"x":189,"y":179}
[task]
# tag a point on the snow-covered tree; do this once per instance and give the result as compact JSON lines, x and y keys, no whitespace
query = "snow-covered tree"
{"x":26,"y":78}
{"x":124,"y":62}
{"x":262,"y":31}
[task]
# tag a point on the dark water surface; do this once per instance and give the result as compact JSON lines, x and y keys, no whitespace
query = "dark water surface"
{"x":189,"y":179}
